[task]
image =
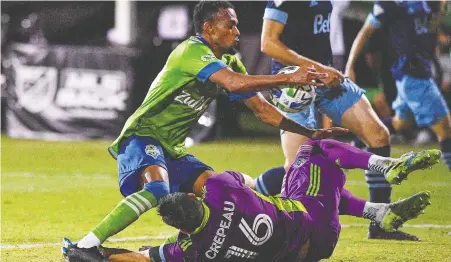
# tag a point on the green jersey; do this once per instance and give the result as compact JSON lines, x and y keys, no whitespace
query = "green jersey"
{"x":178,"y":96}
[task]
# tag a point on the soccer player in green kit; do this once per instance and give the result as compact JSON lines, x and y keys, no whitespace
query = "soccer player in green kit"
{"x":150,"y":151}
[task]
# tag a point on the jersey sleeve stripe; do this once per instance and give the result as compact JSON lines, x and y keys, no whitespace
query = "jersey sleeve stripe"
{"x":161,"y":251}
{"x":276,"y":15}
{"x":234,"y":96}
{"x":209,"y":69}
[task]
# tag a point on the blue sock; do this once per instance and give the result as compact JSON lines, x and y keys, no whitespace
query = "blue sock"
{"x":380,"y":189}
{"x":358,"y":143}
{"x":445,"y":146}
{"x":270,"y":182}
{"x":158,"y":189}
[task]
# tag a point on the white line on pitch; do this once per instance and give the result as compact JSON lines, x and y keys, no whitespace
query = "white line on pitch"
{"x":161,"y":237}
{"x":115,"y":240}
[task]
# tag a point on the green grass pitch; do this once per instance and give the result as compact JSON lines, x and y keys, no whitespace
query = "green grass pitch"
{"x":50,"y":190}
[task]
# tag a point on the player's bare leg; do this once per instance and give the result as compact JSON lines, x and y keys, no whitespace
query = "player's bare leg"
{"x":290,"y":146}
{"x":364,"y":123}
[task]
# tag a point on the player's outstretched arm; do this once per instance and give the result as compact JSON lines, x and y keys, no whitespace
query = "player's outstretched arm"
{"x":272,"y":46}
{"x":357,"y":47}
{"x":271,"y":115}
{"x":243,"y":83}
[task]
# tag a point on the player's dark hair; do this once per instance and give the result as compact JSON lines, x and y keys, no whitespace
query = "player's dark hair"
{"x":205,"y":10}
{"x":181,"y":211}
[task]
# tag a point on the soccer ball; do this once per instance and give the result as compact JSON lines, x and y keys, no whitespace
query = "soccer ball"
{"x":292,"y":98}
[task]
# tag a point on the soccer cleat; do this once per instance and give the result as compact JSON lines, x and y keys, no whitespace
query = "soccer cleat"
{"x":67,"y":243}
{"x":72,"y":253}
{"x":410,"y":162}
{"x":403,"y":210}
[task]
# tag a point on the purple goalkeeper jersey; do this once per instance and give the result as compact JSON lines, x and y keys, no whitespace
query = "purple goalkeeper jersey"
{"x":240,"y":225}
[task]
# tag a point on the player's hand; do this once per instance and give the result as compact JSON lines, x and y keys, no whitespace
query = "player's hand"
{"x":308,"y":76}
{"x":328,"y":132}
{"x":334,"y":78}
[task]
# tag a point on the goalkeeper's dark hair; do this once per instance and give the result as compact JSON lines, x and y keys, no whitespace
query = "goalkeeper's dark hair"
{"x":181,"y":211}
{"x":205,"y":11}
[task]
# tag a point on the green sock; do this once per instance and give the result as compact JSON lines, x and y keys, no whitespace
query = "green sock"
{"x":125,"y":213}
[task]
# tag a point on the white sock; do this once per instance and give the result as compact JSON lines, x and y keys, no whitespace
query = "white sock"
{"x":374,"y":211}
{"x":88,"y":241}
{"x":380,"y":164}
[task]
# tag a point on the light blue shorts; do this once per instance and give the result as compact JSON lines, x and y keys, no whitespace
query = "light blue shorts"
{"x":136,"y":153}
{"x":420,"y":99}
{"x":329,"y":102}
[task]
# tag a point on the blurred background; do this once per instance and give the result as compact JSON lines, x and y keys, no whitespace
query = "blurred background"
{"x":77,"y":70}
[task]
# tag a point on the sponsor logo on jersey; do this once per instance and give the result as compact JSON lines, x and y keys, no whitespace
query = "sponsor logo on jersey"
{"x":36,"y":87}
{"x":207,"y":57}
{"x":221,"y":233}
{"x":198,"y":105}
{"x":320,"y":24}
{"x":152,"y":151}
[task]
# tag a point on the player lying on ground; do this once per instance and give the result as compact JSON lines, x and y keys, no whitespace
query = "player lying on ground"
{"x":151,"y":155}
{"x":286,"y":26}
{"x":233,"y":221}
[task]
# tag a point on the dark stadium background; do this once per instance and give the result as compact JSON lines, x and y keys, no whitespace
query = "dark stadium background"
{"x":80,"y":23}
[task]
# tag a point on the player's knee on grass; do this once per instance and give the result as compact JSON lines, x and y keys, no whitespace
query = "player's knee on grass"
{"x":158,"y":189}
